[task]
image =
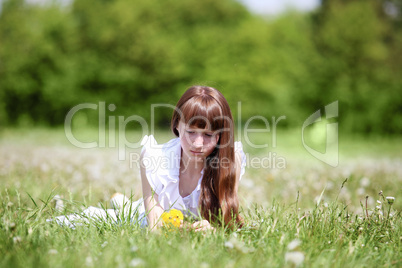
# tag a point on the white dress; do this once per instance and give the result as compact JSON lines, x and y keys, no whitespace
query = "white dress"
{"x":162,"y":166}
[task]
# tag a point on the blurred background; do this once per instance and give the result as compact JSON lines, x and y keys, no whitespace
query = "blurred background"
{"x":276,"y":59}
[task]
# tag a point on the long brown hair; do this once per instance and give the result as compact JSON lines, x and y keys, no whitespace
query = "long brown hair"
{"x":206,"y":105}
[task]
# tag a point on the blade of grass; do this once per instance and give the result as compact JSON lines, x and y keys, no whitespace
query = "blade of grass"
{"x":319,"y":199}
{"x":32,"y":199}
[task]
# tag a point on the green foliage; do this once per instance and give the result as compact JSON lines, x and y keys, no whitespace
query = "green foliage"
{"x":351,"y":36}
{"x":135,"y":53}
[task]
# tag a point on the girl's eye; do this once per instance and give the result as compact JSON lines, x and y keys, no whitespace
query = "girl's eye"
{"x":190,"y":132}
{"x":208,"y":135}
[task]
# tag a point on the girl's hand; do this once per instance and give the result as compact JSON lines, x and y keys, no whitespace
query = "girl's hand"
{"x":201,"y":226}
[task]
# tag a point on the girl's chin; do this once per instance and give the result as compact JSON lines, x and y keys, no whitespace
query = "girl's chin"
{"x":196,"y":156}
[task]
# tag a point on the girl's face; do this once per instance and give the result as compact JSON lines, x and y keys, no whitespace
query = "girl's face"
{"x":197,"y":143}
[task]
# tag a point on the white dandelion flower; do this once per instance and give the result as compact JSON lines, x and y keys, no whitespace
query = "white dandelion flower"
{"x":390,"y":199}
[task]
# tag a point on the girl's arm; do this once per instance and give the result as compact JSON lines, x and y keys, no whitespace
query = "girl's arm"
{"x":153,"y":209}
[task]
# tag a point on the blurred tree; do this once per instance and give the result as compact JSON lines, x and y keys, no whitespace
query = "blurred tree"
{"x":350,"y":36}
{"x":150,"y":51}
{"x":34,"y":56}
{"x":137,"y":53}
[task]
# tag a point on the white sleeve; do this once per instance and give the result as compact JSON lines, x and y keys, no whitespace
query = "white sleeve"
{"x":239,"y":149}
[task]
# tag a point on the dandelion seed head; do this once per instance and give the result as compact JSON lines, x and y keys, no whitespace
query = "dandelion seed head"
{"x":52,"y":251}
{"x":17,"y":239}
{"x":89,"y":261}
{"x":136,"y":262}
{"x":229,"y":244}
{"x":360,"y":191}
{"x":364,"y":182}
{"x":12,"y":226}
{"x":294,"y":244}
{"x":295,"y":257}
{"x":204,"y":265}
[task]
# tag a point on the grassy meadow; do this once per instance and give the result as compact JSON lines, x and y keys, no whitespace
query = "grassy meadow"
{"x":298,"y":211}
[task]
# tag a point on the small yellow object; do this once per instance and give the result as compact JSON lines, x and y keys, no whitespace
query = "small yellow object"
{"x":171,"y":218}
{"x":270,"y":177}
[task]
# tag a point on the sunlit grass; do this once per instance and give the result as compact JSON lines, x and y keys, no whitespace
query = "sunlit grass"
{"x":304,"y":213}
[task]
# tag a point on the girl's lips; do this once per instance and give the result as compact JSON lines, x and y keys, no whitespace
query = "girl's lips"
{"x":195,"y":152}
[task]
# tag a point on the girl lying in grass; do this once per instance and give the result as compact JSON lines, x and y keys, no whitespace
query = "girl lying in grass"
{"x":197,"y":173}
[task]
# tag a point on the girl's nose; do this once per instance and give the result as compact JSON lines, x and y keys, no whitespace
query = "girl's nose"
{"x":199,"y":141}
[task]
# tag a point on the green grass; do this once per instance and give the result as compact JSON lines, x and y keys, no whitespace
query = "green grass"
{"x":332,"y":225}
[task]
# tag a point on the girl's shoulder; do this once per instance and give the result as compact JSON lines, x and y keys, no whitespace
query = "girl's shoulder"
{"x":238,"y":146}
{"x":162,"y":163}
{"x":163,"y":157}
{"x":151,"y":147}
